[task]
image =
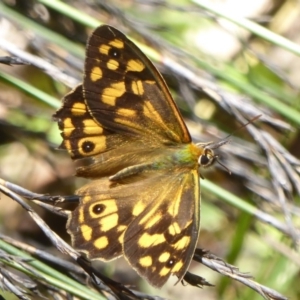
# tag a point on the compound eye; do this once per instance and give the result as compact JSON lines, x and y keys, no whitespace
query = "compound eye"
{"x":204,"y":160}
{"x":207,"y":158}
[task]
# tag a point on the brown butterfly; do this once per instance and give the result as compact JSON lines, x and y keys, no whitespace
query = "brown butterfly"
{"x":144,"y":199}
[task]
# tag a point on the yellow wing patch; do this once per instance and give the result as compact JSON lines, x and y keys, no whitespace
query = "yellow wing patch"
{"x":135,"y":65}
{"x":146,"y":261}
{"x":91,"y":127}
{"x":137,"y":87}
{"x":96,"y":74}
{"x":86,"y":232}
{"x":117,"y":43}
{"x":104,"y":49}
{"x":112,"y":64}
{"x":164,"y":257}
{"x":147,"y":240}
{"x":101,"y":243}
{"x":111,"y":93}
{"x":78,"y":109}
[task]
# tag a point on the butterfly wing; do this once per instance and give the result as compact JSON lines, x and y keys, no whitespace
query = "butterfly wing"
{"x":124,"y":91}
{"x":154,"y":225}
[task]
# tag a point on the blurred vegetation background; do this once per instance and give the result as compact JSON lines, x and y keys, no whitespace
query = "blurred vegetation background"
{"x":225,"y":63}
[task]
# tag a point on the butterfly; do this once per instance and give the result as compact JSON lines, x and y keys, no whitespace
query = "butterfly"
{"x":143,"y":201}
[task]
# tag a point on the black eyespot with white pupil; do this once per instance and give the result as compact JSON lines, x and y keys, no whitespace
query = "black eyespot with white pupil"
{"x":88,"y":146}
{"x":98,"y":208}
{"x":114,"y":52}
{"x":170,"y":263}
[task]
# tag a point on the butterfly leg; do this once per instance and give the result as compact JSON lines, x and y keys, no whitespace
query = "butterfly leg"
{"x":132,"y":170}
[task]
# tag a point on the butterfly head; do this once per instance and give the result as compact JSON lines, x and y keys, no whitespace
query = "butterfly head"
{"x":208,"y":157}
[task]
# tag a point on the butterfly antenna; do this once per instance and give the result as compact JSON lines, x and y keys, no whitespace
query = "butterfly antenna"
{"x":227,"y":139}
{"x":251,"y":121}
{"x":219,"y":144}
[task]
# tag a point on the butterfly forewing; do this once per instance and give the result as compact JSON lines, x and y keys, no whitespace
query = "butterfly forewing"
{"x":126,"y":93}
{"x":144,"y":201}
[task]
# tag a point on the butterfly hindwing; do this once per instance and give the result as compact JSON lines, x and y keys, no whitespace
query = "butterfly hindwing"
{"x":79,"y":130}
{"x":155,"y":226}
{"x":160,"y":242}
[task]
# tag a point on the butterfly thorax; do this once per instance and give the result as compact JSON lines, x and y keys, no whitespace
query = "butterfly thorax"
{"x":188,"y":155}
